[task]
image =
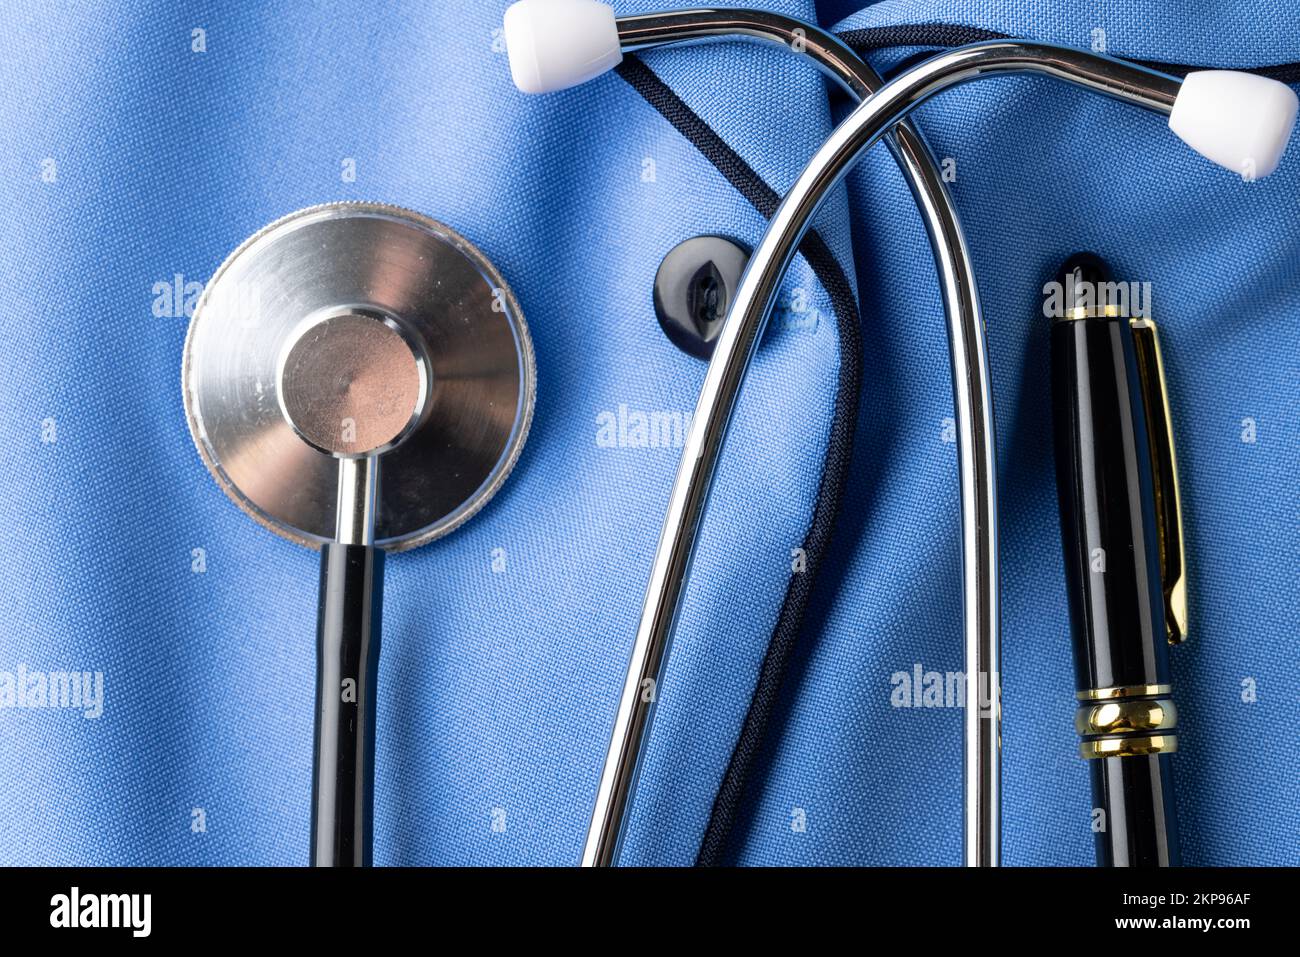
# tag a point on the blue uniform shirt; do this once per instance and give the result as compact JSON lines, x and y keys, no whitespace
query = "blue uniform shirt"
{"x":140,"y":143}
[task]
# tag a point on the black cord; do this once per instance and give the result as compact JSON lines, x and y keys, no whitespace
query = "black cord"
{"x":839,"y":450}
{"x":347,"y":664}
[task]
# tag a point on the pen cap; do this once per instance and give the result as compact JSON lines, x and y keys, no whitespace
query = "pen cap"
{"x":1104,"y":481}
{"x":556,"y":44}
{"x":1241,"y":121}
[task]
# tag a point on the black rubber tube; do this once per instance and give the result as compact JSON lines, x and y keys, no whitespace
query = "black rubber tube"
{"x":347,"y":665}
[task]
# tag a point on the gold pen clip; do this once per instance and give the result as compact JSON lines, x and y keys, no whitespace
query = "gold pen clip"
{"x":1164,"y":472}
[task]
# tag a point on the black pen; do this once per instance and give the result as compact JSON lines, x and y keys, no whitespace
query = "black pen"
{"x":1121,"y":531}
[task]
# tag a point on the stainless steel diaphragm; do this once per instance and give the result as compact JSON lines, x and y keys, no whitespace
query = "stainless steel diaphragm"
{"x":358,"y":330}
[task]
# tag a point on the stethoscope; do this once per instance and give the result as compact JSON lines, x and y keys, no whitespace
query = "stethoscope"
{"x":357,"y":378}
{"x":286,"y":469}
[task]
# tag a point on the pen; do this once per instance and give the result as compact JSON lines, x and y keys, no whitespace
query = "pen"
{"x":1122,"y":537}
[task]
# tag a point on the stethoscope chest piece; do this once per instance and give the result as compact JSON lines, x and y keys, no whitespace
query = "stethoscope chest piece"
{"x":358,"y":331}
{"x":358,"y":378}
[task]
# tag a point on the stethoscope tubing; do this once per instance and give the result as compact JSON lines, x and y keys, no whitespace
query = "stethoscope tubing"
{"x":976,"y":447}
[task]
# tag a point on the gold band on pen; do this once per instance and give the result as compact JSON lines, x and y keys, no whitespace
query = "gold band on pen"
{"x":1126,"y":715}
{"x":1126,"y":721}
{"x":1129,"y":746}
{"x":1109,"y":311}
{"x":1124,"y":691}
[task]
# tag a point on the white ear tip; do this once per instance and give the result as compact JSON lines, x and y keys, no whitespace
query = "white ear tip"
{"x":1241,"y":121}
{"x":555,"y":44}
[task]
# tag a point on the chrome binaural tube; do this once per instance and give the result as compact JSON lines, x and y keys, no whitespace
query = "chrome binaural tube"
{"x":829,"y":53}
{"x":972,"y":400}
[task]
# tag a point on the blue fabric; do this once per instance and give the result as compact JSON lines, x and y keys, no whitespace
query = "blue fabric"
{"x":498,"y":687}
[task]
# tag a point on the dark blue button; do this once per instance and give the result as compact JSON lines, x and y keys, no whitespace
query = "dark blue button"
{"x":694,"y":288}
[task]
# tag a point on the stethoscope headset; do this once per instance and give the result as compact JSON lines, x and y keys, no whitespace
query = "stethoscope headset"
{"x":360,"y":379}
